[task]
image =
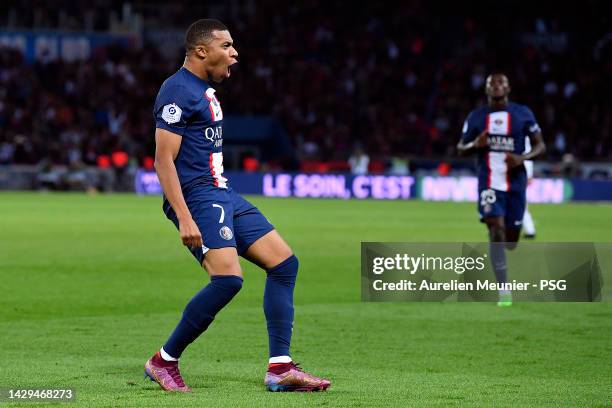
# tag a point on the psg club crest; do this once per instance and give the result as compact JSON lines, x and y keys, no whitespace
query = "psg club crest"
{"x":226,"y":233}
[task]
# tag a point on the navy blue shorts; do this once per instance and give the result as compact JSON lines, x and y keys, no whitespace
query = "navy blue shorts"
{"x":507,"y":204}
{"x":224,"y":218}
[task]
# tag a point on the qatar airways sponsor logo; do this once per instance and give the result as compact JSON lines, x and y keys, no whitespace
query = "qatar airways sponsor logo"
{"x":215,"y":135}
{"x":503,"y":143}
{"x":338,"y":186}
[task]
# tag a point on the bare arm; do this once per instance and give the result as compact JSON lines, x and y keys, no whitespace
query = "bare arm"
{"x":167,"y":145}
{"x":467,"y":148}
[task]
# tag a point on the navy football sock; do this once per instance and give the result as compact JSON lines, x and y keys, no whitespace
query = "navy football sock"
{"x":201,"y":310}
{"x":498,"y":259}
{"x":278,"y":305}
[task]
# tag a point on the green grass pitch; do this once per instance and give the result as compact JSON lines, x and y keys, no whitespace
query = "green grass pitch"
{"x":93,"y":285}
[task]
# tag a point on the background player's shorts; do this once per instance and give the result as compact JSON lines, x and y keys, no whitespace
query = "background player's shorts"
{"x":224,"y":218}
{"x":507,"y":204}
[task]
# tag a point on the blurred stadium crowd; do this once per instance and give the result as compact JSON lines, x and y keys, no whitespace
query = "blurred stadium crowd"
{"x":396,"y":79}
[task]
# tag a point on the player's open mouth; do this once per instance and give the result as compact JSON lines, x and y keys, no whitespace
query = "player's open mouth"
{"x":229,"y":70}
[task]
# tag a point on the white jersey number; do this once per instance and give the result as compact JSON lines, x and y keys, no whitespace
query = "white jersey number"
{"x":487,"y":197}
{"x":222,"y":217}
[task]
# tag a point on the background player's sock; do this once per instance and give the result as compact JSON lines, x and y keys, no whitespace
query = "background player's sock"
{"x":201,"y":310}
{"x":278,"y":305}
{"x":528,"y":224}
{"x":505,"y":294}
{"x":498,"y":260}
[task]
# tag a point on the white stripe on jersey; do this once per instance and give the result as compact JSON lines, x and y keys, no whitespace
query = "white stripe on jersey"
{"x":216,"y":169}
{"x":498,"y":171}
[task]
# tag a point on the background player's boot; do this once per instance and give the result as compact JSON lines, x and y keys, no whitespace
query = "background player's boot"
{"x":505,"y":298}
{"x":290,"y":377}
{"x":165,"y":373}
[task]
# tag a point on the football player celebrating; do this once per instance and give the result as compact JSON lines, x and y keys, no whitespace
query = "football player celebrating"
{"x":214,"y":222}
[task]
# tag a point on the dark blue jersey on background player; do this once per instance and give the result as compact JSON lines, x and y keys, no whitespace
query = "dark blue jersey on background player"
{"x":214,"y":222}
{"x":496,"y":133}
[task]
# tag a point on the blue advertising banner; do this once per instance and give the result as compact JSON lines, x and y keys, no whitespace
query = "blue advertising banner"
{"x":388,"y":187}
{"x":338,"y":186}
{"x":343,"y":186}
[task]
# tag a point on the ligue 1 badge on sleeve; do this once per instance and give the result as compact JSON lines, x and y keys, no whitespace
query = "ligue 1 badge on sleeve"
{"x":171,"y":113}
{"x":226,"y":233}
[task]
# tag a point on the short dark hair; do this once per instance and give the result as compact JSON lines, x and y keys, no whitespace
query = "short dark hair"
{"x":498,"y":73}
{"x":201,"y":32}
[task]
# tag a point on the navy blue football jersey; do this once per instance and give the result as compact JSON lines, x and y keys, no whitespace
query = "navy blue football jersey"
{"x":507,"y":129}
{"x":187,"y":106}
